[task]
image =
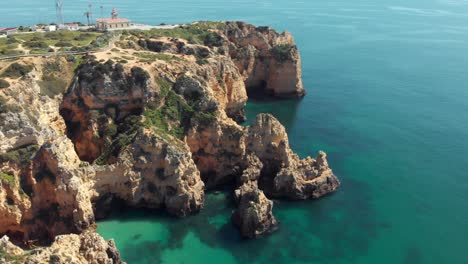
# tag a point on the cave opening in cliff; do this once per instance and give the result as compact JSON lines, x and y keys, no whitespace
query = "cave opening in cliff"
{"x":260,"y":92}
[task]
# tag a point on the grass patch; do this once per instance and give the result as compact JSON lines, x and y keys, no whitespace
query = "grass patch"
{"x":40,"y":42}
{"x":17,"y":70}
{"x":74,"y":38}
{"x":8,"y":46}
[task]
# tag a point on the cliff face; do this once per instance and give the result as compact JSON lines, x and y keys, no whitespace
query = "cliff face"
{"x":152,"y":130}
{"x":269,"y":61}
{"x":152,"y":173}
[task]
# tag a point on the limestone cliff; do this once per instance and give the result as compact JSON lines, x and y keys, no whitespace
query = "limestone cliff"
{"x":150,"y":123}
{"x":86,"y":248}
{"x":267,"y":60}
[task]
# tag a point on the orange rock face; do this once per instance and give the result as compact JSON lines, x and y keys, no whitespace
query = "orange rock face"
{"x":269,"y":61}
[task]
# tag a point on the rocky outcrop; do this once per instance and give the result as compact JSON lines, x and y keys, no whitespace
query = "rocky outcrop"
{"x":49,"y":198}
{"x":86,"y":248}
{"x":61,"y":196}
{"x":269,"y":61}
{"x":284,"y":173}
{"x":30,"y":116}
{"x":308,"y":179}
{"x":153,"y":173}
{"x":101,"y":97}
{"x":254,"y":215}
{"x":218,"y":150}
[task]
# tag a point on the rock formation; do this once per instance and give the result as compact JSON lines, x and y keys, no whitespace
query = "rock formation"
{"x":254,"y":215}
{"x":86,"y":248}
{"x":266,"y":59}
{"x":154,"y":130}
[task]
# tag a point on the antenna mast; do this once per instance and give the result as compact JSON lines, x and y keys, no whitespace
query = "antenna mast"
{"x":89,"y":14}
{"x":59,"y":11}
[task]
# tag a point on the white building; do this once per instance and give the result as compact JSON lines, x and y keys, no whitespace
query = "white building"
{"x":51,"y":28}
{"x":69,"y":26}
{"x":72,"y":26}
{"x":8,"y":31}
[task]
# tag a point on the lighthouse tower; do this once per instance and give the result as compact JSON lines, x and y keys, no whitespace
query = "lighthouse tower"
{"x":114,"y":13}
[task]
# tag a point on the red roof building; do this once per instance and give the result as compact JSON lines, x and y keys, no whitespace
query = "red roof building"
{"x":8,"y":31}
{"x":112,"y":23}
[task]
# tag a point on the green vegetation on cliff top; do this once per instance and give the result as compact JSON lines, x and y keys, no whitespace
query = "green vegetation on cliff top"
{"x":282,"y":53}
{"x":196,"y":33}
{"x":16,"y":70}
{"x":41,"y":42}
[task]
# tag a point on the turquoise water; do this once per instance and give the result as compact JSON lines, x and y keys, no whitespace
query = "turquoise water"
{"x":388,"y":100}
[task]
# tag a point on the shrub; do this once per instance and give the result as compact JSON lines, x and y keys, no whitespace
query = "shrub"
{"x":19,"y":156}
{"x":201,"y":61}
{"x":7,"y":179}
{"x":128,"y":130}
{"x":4,"y":84}
{"x":36,"y":45}
{"x":213,"y":40}
{"x":282,"y":52}
{"x":17,"y":70}
{"x":11,"y":40}
{"x":139,"y":76}
{"x":63,"y":44}
{"x":52,"y":85}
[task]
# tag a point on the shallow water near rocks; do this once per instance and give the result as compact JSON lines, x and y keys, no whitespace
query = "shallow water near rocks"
{"x":387,"y":100}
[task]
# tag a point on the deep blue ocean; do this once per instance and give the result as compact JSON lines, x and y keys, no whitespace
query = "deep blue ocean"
{"x":387,"y":86}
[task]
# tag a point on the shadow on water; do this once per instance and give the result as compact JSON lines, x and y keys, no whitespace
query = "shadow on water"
{"x":285,"y":110}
